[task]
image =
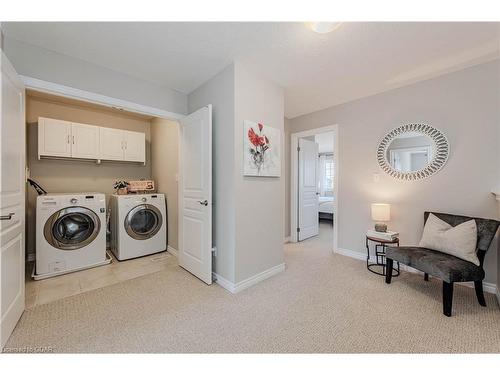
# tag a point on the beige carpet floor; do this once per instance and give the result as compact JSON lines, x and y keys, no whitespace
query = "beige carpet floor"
{"x":321,"y":303}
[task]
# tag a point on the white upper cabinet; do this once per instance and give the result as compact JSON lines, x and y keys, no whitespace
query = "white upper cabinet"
{"x":57,"y":138}
{"x":112,"y":146}
{"x":84,"y":141}
{"x":135,"y":146}
{"x":54,"y":137}
{"x":125,"y":145}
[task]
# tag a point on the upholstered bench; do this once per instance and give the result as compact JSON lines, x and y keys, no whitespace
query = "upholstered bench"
{"x":447,"y":267}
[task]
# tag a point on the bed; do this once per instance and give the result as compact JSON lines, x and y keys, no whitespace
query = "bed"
{"x":326,"y":208}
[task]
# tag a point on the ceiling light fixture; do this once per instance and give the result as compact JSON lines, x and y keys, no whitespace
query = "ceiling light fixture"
{"x":324,"y":27}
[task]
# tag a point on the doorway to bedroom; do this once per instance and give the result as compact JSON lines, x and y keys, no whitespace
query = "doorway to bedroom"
{"x":314,"y":185}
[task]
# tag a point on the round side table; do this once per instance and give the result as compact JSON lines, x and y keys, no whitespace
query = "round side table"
{"x":379,"y":266}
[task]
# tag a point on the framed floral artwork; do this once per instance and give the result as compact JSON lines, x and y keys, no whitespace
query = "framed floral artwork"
{"x":261,"y":150}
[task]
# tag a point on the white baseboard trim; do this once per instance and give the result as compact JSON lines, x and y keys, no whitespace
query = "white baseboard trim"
{"x":259,"y":277}
{"x":238,"y":287}
{"x":226,"y":284}
{"x":172,"y":250}
{"x":350,"y":253}
{"x":490,"y":288}
{"x":287,"y":239}
{"x":487,"y":287}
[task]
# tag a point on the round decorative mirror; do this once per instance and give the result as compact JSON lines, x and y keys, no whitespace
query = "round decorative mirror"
{"x":413,"y":151}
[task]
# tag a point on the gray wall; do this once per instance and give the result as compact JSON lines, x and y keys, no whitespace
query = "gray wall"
{"x":248,"y":235}
{"x":465,"y":106}
{"x":50,"y":66}
{"x":219,"y":91}
{"x":259,"y":200}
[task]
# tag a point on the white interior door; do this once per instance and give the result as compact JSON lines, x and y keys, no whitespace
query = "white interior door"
{"x":308,"y":189}
{"x":84,"y":141}
{"x":195,"y":198}
{"x":12,"y":194}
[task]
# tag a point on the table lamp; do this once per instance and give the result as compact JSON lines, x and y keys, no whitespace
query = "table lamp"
{"x":381,"y":212}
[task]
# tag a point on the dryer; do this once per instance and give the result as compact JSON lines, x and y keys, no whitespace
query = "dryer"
{"x":138,"y":225}
{"x":70,"y":233}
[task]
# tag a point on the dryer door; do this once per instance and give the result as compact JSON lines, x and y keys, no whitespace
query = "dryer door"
{"x":72,"y":228}
{"x":143,"y":222}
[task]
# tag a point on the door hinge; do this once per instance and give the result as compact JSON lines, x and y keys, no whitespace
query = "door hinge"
{"x":298,"y":230}
{"x":214,"y":251}
{"x":298,"y":148}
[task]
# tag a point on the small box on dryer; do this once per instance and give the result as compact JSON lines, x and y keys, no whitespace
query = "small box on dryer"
{"x":141,"y":186}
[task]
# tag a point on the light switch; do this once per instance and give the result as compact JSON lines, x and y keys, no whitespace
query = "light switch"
{"x":376,"y":177}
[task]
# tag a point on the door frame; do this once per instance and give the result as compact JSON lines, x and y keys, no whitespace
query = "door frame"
{"x":48,"y":87}
{"x":57,"y":89}
{"x":294,"y":175}
{"x":92,"y":97}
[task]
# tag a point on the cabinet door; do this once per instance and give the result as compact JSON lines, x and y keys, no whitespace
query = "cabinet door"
{"x":84,"y":141}
{"x":135,"y":146}
{"x":54,"y":137}
{"x":111,"y":144}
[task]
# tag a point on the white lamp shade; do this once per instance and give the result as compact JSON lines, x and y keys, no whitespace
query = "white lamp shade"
{"x":381,"y":212}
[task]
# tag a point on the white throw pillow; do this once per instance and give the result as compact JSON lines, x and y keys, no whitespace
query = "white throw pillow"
{"x":459,"y":241}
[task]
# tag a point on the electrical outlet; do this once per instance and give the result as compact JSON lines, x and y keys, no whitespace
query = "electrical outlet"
{"x":376,"y":177}
{"x":214,"y":251}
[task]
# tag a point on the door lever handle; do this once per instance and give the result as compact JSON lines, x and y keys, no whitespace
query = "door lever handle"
{"x":204,"y":203}
{"x":7,"y":217}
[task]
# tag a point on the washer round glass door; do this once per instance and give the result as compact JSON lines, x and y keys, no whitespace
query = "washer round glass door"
{"x":143,"y":221}
{"x":72,"y":228}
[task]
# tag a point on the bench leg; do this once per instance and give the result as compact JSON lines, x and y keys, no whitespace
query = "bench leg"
{"x":479,"y":292}
{"x":447,"y":298}
{"x":388,"y":270}
{"x":426,"y":276}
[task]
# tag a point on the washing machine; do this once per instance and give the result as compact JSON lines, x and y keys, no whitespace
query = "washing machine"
{"x":138,"y":225}
{"x":70,"y":233}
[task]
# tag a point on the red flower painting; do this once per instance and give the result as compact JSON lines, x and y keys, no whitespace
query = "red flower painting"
{"x":254,"y":138}
{"x":260,"y":144}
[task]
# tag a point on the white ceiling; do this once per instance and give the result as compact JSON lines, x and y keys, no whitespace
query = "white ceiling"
{"x":316,"y":70}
